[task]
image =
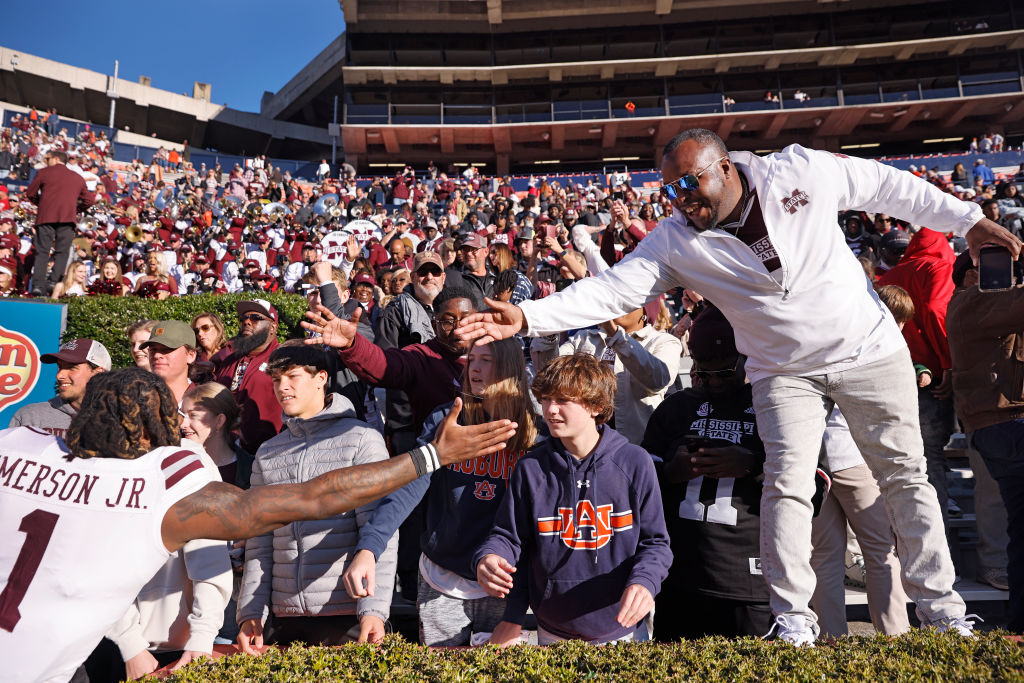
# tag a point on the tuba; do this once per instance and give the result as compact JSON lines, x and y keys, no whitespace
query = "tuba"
{"x":133,"y":233}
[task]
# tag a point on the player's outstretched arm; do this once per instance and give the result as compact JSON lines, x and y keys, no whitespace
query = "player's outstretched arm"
{"x":222,"y":511}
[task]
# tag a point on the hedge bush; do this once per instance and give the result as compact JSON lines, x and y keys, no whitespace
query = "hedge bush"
{"x":105,"y":318}
{"x":922,"y":655}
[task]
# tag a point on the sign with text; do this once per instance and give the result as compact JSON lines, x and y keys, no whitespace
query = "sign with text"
{"x":27,"y":331}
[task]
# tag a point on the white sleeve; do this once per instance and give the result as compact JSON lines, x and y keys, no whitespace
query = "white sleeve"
{"x":584,"y":242}
{"x":641,"y":276}
{"x":654,"y":368}
{"x":866,"y":185}
{"x":209,"y":570}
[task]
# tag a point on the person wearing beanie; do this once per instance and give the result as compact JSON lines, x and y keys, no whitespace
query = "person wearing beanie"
{"x":711,"y":482}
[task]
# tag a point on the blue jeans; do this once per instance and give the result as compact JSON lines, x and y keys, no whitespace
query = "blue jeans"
{"x":879,"y":401}
{"x":1002,"y":448}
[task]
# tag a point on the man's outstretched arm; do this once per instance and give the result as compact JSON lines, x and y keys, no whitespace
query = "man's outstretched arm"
{"x":222,"y":511}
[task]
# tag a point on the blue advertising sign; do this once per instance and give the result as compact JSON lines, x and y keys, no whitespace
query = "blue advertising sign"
{"x":27,"y":331}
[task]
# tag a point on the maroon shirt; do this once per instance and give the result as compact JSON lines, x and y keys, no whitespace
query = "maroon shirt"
{"x":57,"y":191}
{"x":261,"y":413}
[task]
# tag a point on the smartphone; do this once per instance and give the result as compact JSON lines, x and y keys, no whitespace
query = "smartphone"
{"x":621,"y":196}
{"x":995,"y":269}
{"x":695,"y":442}
{"x":551,"y":230}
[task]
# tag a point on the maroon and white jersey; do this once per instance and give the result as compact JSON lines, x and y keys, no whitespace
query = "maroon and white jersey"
{"x":79,"y":538}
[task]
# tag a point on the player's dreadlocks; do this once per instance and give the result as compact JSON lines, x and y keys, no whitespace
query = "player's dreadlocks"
{"x":125,"y":414}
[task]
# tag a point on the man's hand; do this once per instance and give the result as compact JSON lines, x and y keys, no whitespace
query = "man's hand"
{"x":334,"y":331}
{"x":359,"y":578}
{"x":553,"y":244}
{"x":505,"y":634}
{"x":945,"y":388}
{"x":924,"y":379}
{"x":250,"y":636}
{"x":986,"y":232}
{"x":609,"y":327}
{"x":140,"y":665}
{"x":322,"y":272}
{"x":719,"y":463}
{"x":352,"y":249}
{"x":371,"y":629}
{"x":620,"y":212}
{"x":502,"y":321}
{"x":188,"y":656}
{"x":455,"y":442}
{"x":636,"y":602}
{"x":679,"y":468}
{"x":494,"y":575}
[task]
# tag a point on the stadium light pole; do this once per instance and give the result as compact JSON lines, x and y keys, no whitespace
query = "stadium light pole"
{"x":112,"y":94}
{"x":334,"y":134}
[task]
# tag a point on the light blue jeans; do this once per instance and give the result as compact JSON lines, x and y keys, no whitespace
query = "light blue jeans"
{"x":879,"y":401}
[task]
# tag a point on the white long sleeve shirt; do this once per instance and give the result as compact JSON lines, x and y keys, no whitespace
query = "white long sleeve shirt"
{"x":822,"y":315}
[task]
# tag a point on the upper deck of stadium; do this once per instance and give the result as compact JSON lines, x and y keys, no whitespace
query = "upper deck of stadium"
{"x":510,"y":84}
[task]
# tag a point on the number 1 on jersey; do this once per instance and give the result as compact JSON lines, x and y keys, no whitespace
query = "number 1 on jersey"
{"x":38,"y":528}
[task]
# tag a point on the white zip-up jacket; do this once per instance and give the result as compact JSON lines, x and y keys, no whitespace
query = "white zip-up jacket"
{"x":823,"y":315}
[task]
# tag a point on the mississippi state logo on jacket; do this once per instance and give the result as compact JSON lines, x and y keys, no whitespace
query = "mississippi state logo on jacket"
{"x":589,"y":527}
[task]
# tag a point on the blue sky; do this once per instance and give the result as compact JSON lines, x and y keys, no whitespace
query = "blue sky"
{"x":241,"y":47}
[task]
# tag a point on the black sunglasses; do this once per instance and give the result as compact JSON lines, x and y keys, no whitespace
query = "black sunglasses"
{"x":252,"y":317}
{"x":688,"y":182}
{"x":721,"y":374}
{"x":429,"y":270}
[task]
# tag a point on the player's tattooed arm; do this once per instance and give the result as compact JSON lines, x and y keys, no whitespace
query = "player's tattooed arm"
{"x":222,"y":511}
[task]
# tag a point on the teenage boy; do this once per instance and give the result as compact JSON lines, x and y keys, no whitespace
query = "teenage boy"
{"x":583,"y":511}
{"x":295,"y":570}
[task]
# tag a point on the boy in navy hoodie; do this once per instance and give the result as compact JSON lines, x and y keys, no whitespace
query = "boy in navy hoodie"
{"x":583,"y":510}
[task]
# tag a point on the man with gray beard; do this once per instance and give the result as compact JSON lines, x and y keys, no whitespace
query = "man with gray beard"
{"x":243,"y":371}
{"x":405,"y":321}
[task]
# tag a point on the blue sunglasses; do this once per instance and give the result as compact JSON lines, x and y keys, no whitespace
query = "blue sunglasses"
{"x":687,"y":183}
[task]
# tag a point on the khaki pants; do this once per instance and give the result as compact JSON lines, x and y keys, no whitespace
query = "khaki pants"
{"x":855,"y":497}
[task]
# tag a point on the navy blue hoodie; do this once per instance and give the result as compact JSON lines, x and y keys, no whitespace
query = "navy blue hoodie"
{"x":585,"y":531}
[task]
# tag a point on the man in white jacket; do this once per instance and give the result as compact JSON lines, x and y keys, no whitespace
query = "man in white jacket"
{"x":756,"y":236}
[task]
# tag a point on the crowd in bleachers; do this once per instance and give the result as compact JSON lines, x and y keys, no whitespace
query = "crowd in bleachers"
{"x":401,"y":260}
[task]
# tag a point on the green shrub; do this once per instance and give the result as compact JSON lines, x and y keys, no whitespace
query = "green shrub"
{"x":918,"y":656}
{"x":105,"y":318}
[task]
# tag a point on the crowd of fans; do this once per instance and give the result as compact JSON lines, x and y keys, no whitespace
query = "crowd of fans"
{"x":401,"y":261}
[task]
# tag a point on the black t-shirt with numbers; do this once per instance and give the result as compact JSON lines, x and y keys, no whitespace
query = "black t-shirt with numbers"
{"x":713,"y":524}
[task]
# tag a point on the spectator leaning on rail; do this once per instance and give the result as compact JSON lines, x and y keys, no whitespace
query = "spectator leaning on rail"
{"x":294,"y":572}
{"x":750,"y":234}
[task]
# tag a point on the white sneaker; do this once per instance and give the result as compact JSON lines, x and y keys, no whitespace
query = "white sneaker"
{"x":962,"y":625}
{"x":792,"y":629}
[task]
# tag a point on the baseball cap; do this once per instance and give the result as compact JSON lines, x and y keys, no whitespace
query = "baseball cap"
{"x":209,"y":272}
{"x":8,"y":265}
{"x":474,"y":241}
{"x":526,"y":233}
{"x":363,"y":279}
{"x":425,"y":257}
{"x":9,"y":241}
{"x":251,"y":263}
{"x":261,"y":306}
{"x":80,"y":351}
{"x":895,"y":239}
{"x":171,"y":333}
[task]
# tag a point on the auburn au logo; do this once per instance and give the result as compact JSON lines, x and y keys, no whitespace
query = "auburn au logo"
{"x":588,"y":528}
{"x":19,"y":367}
{"x":484,"y":490}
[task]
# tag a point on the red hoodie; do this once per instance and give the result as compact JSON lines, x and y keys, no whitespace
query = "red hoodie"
{"x":926,"y":272}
